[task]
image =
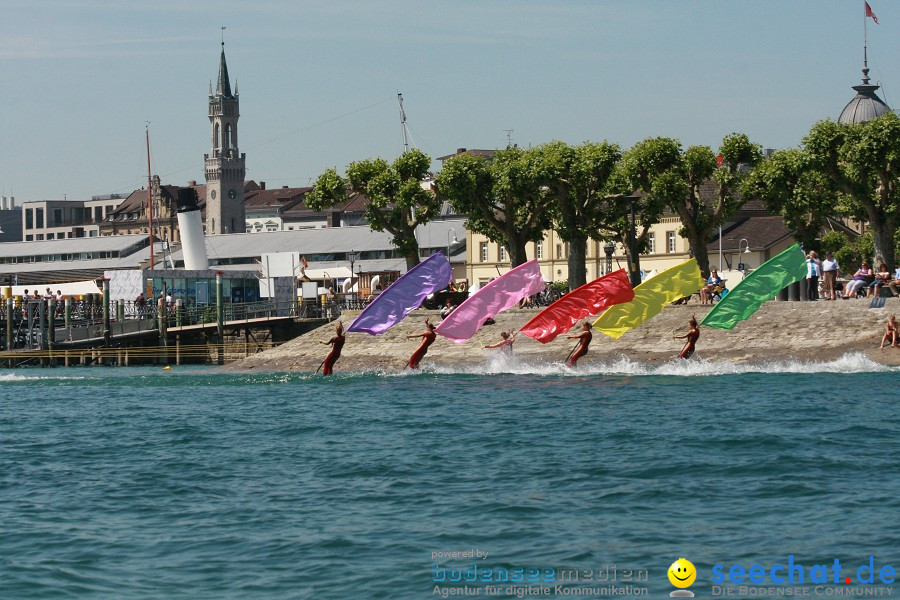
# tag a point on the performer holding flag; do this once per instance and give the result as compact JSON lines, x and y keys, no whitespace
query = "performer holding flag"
{"x":337,"y":344}
{"x":584,"y":340}
{"x":428,"y":336}
{"x":691,"y":336}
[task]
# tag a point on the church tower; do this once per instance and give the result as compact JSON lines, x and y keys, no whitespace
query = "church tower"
{"x":225,"y":165}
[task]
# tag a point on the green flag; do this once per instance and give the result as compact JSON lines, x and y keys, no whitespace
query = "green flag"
{"x":757,"y":287}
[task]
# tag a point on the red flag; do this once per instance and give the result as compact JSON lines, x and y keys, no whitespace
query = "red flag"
{"x":590,"y":299}
{"x":869,"y":13}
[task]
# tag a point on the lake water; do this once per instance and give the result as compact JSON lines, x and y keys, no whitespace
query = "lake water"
{"x":191,"y":483}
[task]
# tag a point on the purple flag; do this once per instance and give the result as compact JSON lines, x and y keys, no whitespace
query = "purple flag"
{"x":404,"y":295}
{"x":501,"y":294}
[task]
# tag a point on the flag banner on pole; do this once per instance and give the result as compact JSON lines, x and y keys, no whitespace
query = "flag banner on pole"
{"x":404,"y":295}
{"x":588,"y":300}
{"x":650,"y":298}
{"x":869,"y":13}
{"x":500,"y":294}
{"x":759,"y":286}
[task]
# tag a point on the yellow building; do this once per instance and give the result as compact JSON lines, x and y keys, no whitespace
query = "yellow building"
{"x":486,"y":259}
{"x":748,"y":240}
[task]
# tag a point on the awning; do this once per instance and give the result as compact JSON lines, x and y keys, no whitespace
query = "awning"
{"x":72,"y":288}
{"x":325,"y":274}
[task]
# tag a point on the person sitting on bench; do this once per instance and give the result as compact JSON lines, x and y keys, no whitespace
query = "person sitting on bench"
{"x":714,"y":281}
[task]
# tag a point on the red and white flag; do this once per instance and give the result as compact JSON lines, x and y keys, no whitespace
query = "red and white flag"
{"x":869,"y":13}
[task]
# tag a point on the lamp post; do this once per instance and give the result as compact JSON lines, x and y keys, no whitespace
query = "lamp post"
{"x":741,"y":266}
{"x":352,"y":257}
{"x":455,"y":241}
{"x":609,"y":249}
{"x":720,"y":248}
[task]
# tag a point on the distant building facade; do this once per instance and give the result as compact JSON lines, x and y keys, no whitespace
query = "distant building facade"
{"x":10,"y":220}
{"x":66,"y":219}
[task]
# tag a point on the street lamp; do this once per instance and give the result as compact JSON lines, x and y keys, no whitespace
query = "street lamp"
{"x":609,"y":249}
{"x":352,"y":257}
{"x":455,"y":241}
{"x":741,"y":266}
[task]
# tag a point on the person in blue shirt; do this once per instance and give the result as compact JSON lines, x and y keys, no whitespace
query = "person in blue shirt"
{"x":813,"y":271}
{"x":711,"y":283}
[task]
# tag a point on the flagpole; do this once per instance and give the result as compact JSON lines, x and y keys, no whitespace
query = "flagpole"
{"x":865,"y":35}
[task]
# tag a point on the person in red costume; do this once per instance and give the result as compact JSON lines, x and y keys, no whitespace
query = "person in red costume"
{"x":691,"y":336}
{"x":584,"y":340}
{"x":336,"y":343}
{"x":428,"y":336}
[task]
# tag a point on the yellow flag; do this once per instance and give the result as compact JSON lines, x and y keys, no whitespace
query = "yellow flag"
{"x":650,"y":298}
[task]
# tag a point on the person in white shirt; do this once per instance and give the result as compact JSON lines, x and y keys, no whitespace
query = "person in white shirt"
{"x":813,"y":270}
{"x":830,"y":270}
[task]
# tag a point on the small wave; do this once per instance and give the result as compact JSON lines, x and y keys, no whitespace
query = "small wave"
{"x":10,"y":377}
{"x":854,"y":362}
{"x":13,"y":377}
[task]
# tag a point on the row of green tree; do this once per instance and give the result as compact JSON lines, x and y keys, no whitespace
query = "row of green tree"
{"x":592,"y":191}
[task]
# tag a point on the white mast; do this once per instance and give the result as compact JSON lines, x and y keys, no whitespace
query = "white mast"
{"x":403,"y":124}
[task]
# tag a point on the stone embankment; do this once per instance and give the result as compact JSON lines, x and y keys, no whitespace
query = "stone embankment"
{"x":798,"y":331}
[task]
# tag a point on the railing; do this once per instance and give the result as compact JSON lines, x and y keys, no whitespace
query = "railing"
{"x":85,"y":319}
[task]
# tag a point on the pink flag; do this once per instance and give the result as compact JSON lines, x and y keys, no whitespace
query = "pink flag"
{"x":501,"y":294}
{"x":590,"y":299}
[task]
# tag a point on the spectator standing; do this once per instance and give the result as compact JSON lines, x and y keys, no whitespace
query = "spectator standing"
{"x":813,"y":271}
{"x":830,"y":271}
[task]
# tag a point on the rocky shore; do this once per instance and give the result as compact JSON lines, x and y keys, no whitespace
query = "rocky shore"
{"x":785,"y":331}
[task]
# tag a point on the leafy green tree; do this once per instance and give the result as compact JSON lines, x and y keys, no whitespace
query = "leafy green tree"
{"x":789,"y":186}
{"x":576,"y":179}
{"x":503,"y":199}
{"x":647,"y":174}
{"x":700,"y":218}
{"x":397,"y":202}
{"x":863,"y":162}
{"x":657,"y":167}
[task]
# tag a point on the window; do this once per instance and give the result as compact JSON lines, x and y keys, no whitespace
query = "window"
{"x":651,"y":242}
{"x":39,"y":236}
{"x":539,"y":249}
{"x":57,"y":217}
{"x":484,"y":254}
{"x":29,"y":219}
{"x":670,"y":241}
{"x":51,"y":236}
{"x":39,"y":218}
{"x":29,"y":237}
{"x":501,"y":252}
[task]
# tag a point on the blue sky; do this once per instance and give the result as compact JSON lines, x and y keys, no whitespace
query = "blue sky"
{"x":318,"y":81}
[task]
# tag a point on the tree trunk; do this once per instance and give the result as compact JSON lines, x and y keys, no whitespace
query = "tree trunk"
{"x":412,"y":259}
{"x":577,"y":262}
{"x":632,"y":262}
{"x":883,"y":236}
{"x":701,"y":254}
{"x":517,"y":254}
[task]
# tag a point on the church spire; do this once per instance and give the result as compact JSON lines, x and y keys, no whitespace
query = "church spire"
{"x":223,"y":88}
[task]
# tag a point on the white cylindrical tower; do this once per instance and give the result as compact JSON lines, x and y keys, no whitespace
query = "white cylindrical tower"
{"x":190,"y":226}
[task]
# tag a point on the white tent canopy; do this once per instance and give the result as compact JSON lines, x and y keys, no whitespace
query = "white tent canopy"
{"x":71,"y":288}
